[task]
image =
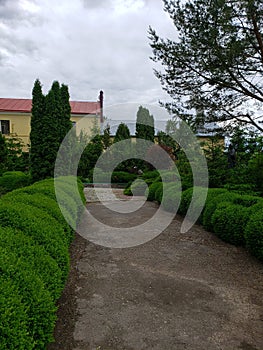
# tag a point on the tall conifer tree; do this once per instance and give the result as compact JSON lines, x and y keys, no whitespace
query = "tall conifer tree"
{"x":38,"y":107}
{"x":49,"y":124}
{"x":144,"y":125}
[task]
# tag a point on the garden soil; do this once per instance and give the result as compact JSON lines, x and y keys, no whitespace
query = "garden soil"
{"x":176,"y":292}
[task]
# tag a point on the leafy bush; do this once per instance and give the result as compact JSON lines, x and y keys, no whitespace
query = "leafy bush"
{"x":34,"y":263}
{"x":242,"y":189}
{"x":128,"y":191}
{"x":159,"y":192}
{"x":38,"y":305}
{"x":139,"y":187}
{"x":229,"y":221}
{"x":12,"y":180}
{"x":70,"y":200}
{"x":166,"y":176}
{"x":215,"y":196}
{"x":122,"y":177}
{"x":172,"y":196}
{"x":35,"y":255}
{"x":13,"y":317}
{"x":150,"y":174}
{"x":255,"y":171}
{"x":254,"y":234}
{"x":196,"y":204}
{"x":152,"y":189}
{"x":43,"y":229}
{"x":45,"y":203}
{"x":247,"y":200}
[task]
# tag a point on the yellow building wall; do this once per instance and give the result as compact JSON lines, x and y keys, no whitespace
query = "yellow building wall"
{"x":20,"y":125}
{"x":86,"y":124}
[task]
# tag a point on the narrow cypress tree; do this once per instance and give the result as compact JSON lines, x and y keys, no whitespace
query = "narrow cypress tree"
{"x":50,"y":138}
{"x":50,"y":123}
{"x":144,"y":124}
{"x":122,"y":133}
{"x":38,"y":107}
{"x":65,"y":123}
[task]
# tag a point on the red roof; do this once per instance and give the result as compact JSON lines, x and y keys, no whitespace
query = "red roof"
{"x":24,"y":106}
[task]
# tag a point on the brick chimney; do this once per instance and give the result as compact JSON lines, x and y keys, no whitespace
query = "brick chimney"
{"x":101,"y":97}
{"x":101,"y":106}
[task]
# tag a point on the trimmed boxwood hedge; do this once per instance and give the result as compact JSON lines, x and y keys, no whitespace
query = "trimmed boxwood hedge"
{"x":229,"y":222}
{"x":48,"y":205}
{"x":235,"y":218}
{"x":213,"y":199}
{"x":122,"y":177}
{"x":41,"y":227}
{"x":34,"y":262}
{"x":39,"y":307}
{"x":152,"y":189}
{"x":171,"y":197}
{"x":254,"y":234}
{"x":26,"y":249}
{"x":159,"y":192}
{"x":11,"y":180}
{"x":13,"y":318}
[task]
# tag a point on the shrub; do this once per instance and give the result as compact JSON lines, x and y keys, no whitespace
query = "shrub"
{"x":254,"y":234}
{"x":171,"y":197}
{"x":169,"y":176}
{"x":122,"y":177}
{"x":35,"y":255}
{"x":196,"y":204}
{"x":34,"y":262}
{"x":229,"y":221}
{"x":242,"y":189}
{"x":159,"y":192}
{"x":13,"y":317}
{"x":12,"y":180}
{"x":247,"y":200}
{"x":139,"y":187}
{"x":43,"y":229}
{"x":45,"y":203}
{"x":128,"y":191}
{"x":150,"y":174}
{"x":38,"y":304}
{"x":215,"y":196}
{"x":69,"y":200}
{"x":152,"y":189}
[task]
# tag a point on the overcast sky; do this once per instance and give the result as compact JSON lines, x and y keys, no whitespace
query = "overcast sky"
{"x":87,"y":44}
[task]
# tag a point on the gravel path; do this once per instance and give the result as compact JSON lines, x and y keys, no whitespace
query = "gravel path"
{"x":178,"y":291}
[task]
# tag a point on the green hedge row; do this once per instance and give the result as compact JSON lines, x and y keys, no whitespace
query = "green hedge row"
{"x":12,"y":180}
{"x":235,"y":218}
{"x":34,"y":260}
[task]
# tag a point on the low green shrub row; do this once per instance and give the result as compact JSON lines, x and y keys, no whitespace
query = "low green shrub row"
{"x":235,"y":218}
{"x":34,"y":260}
{"x":12,"y":180}
{"x":118,"y":177}
{"x":153,"y":180}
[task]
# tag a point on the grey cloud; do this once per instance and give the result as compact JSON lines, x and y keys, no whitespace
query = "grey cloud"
{"x":9,"y":9}
{"x":89,"y":50}
{"x":14,"y":45}
{"x":102,"y":4}
{"x":11,"y":13}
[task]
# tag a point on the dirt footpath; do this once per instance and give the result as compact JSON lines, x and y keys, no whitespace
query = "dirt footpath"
{"x":178,"y":291}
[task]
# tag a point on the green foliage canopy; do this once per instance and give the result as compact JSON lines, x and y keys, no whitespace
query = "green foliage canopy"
{"x":216,"y":63}
{"x":50,"y":122}
{"x":144,"y":124}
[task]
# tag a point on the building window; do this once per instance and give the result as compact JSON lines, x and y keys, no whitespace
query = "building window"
{"x":5,"y":127}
